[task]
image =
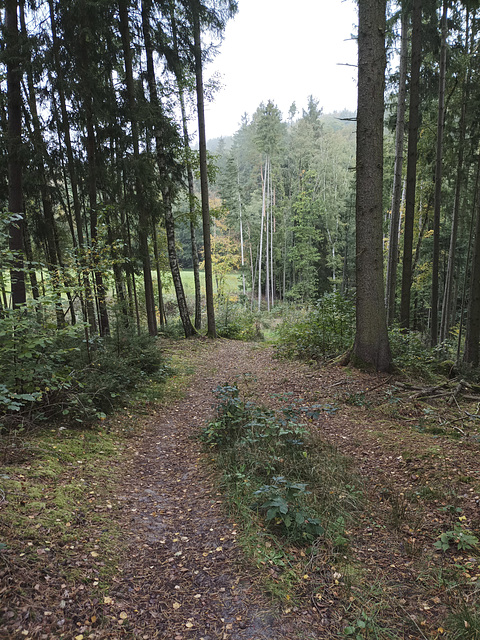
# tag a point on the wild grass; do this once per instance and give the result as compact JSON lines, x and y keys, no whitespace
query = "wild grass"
{"x":290,"y":489}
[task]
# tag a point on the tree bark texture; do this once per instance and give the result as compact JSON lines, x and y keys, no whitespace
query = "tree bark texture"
{"x":15,"y":193}
{"x":413,"y":125}
{"x":371,"y":347}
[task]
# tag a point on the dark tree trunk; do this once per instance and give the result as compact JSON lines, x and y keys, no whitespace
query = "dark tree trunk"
{"x":143,"y":216}
{"x":191,"y":192}
{"x":15,"y":193}
{"x":207,"y":249}
{"x":161,"y":305}
{"x":188,"y":328}
{"x":371,"y":347}
{"x":103,"y":321}
{"x":413,"y":124}
{"x":448,"y":290}
{"x":438,"y":178}
{"x":63,"y":125}
{"x":472,"y":334}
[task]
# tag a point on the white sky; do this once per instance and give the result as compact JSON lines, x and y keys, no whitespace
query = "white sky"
{"x":284,"y":51}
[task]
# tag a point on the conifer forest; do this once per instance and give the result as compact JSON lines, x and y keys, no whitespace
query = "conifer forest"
{"x":320,"y":271}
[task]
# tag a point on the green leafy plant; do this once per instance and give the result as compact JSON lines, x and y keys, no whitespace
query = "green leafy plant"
{"x":321,"y":332}
{"x":459,"y":537}
{"x":284,"y":508}
{"x":360,"y":628}
{"x":232,"y":414}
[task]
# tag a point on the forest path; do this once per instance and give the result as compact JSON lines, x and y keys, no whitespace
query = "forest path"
{"x":186,"y":577}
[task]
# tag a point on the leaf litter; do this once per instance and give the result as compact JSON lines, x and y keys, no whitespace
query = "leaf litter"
{"x":181,"y":572}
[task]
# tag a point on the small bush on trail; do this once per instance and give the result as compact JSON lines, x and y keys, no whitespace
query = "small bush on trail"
{"x":273,"y":465}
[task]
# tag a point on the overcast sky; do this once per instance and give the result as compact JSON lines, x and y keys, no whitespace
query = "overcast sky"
{"x":284,"y":51}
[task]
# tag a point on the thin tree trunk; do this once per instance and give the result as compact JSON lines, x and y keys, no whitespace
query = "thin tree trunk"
{"x":191,"y":189}
{"x":242,"y":248}
{"x":188,"y":328}
{"x":202,"y":144}
{"x":397,"y":180}
{"x":267,"y":225}
{"x":143,"y":224}
{"x":272,"y":229}
{"x":264,"y":186}
{"x":161,"y":306}
{"x":63,"y":124}
{"x":15,"y":192}
{"x":413,"y":125}
{"x":438,"y":177}
{"x":447,"y":297}
{"x":472,"y":334}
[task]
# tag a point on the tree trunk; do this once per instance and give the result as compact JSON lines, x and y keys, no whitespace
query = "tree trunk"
{"x":191,"y":204}
{"x":15,"y":192}
{"x":207,"y":249}
{"x":472,"y":332}
{"x":448,"y":297}
{"x":438,"y":177}
{"x":191,"y":190}
{"x":413,"y":124}
{"x":397,"y":179}
{"x":267,"y":233}
{"x":188,"y":328}
{"x":143,"y":224}
{"x":260,"y":251}
{"x":63,"y":125}
{"x":161,"y":306}
{"x":371,"y":347}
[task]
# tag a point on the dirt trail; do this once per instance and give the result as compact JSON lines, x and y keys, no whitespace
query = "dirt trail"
{"x":186,"y":578}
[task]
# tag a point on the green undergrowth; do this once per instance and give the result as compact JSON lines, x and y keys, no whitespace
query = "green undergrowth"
{"x":68,"y":375}
{"x":326,"y":330}
{"x":294,"y":494}
{"x":60,"y":524}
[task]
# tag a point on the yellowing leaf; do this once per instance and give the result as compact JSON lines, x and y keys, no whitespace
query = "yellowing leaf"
{"x":94,"y":554}
{"x":176,"y":605}
{"x":123,"y":615}
{"x":107,"y":600}
{"x":189,"y":625}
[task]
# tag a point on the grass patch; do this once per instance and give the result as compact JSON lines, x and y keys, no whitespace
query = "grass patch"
{"x":57,"y":524}
{"x":294,"y":494}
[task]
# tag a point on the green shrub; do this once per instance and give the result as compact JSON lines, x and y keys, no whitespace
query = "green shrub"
{"x":284,"y":507}
{"x":236,"y":322}
{"x":318,"y":333}
{"x":49,"y":373}
{"x":269,"y":459}
{"x":410,"y":354}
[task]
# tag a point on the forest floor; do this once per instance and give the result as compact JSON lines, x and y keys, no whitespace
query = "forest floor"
{"x":150,"y":550}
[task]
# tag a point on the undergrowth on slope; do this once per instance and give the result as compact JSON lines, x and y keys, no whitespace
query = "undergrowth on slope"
{"x":65,"y":375}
